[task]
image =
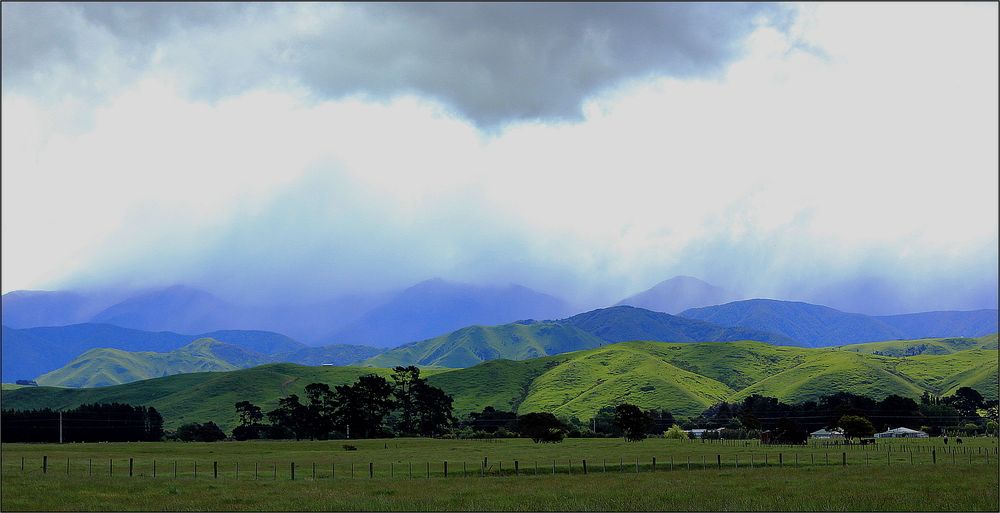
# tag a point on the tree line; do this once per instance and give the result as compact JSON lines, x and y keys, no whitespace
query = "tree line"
{"x":371,"y":407}
{"x":858,"y":415}
{"x":86,"y":423}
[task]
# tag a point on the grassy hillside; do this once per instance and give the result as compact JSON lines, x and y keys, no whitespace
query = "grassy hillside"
{"x":475,"y":344}
{"x":682,"y":377}
{"x":924,"y":346}
{"x":103,"y":367}
{"x":625,"y":323}
{"x":811,"y":325}
{"x":531,"y":339}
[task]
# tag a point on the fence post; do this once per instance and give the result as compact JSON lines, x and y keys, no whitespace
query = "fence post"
{"x":67,"y":466}
{"x":371,"y":469}
{"x":130,"y":467}
{"x":45,"y":464}
{"x":428,"y":469}
{"x":237,"y":471}
{"x":718,"y":459}
{"x":781,"y":460}
{"x":844,"y":454}
{"x":293,"y":471}
{"x":175,"y":469}
{"x":215,"y":469}
{"x":22,"y":463}
{"x":314,"y":471}
{"x":196,"y":470}
{"x":517,"y":468}
{"x":90,"y":466}
{"x":255,"y":471}
{"x":154,"y":469}
{"x":934,"y":455}
{"x":111,"y":466}
{"x":584,"y":467}
{"x":654,"y":463}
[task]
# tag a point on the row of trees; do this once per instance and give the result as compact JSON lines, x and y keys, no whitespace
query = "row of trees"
{"x":625,"y":420}
{"x":789,"y":423}
{"x":370,"y":407}
{"x":87,"y":423}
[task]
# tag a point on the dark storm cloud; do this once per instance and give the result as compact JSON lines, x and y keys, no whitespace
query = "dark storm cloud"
{"x":491,"y":63}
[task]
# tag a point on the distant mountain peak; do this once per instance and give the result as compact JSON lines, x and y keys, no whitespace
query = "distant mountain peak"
{"x":674,"y":295}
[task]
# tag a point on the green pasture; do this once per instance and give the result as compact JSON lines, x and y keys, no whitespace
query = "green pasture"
{"x":880,"y":478}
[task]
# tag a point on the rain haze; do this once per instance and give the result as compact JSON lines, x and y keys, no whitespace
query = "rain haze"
{"x":844,"y":154}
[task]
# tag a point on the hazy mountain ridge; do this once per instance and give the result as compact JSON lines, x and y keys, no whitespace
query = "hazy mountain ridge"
{"x":523,"y":340}
{"x":30,"y":352}
{"x":678,"y":294}
{"x":818,"y":326}
{"x":437,"y":307}
{"x":103,"y":367}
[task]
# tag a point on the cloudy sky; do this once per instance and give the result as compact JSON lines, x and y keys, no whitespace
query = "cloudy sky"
{"x":820,"y":152}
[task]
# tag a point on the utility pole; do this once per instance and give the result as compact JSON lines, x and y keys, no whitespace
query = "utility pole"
{"x":60,"y":427}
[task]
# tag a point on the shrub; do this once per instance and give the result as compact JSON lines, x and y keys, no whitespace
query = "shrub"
{"x":541,"y":427}
{"x":348,"y":447}
{"x":676,"y":433}
{"x":195,"y":432}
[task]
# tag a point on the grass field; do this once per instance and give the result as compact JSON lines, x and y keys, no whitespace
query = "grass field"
{"x":620,"y":476}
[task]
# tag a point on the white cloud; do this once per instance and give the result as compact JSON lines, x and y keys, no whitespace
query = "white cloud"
{"x":857,"y":143}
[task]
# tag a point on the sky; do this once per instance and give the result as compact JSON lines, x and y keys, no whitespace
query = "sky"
{"x":844,"y":153}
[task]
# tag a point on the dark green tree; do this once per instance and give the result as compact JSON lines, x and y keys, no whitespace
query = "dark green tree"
{"x":320,"y":410}
{"x":290,"y":416}
{"x":541,"y":427}
{"x":967,"y":401}
{"x":632,"y":421}
{"x":249,"y":413}
{"x":406,"y":382}
{"x":433,"y":409}
{"x":855,"y":426}
{"x":195,"y":432}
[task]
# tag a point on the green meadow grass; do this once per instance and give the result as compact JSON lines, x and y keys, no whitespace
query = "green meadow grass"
{"x":868,"y":481}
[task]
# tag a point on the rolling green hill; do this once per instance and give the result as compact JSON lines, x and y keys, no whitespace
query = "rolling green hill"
{"x":103,"y":367}
{"x":683,"y":377}
{"x":476,"y":344}
{"x":924,"y":346}
{"x":531,"y":339}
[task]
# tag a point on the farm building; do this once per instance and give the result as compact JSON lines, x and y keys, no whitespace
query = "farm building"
{"x":699,"y":433}
{"x":823,"y":434}
{"x":901,"y":432}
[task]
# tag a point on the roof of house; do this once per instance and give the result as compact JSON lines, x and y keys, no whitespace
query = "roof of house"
{"x":834,"y":431}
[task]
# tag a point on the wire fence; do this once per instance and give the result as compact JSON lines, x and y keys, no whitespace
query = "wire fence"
{"x":331,"y":470}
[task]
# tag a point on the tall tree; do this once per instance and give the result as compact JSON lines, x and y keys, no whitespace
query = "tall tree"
{"x":249,"y":413}
{"x":541,"y":427}
{"x":855,"y":426}
{"x":433,"y":408}
{"x":633,"y":422}
{"x":406,"y":381}
{"x":290,"y":415}
{"x":320,"y":410}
